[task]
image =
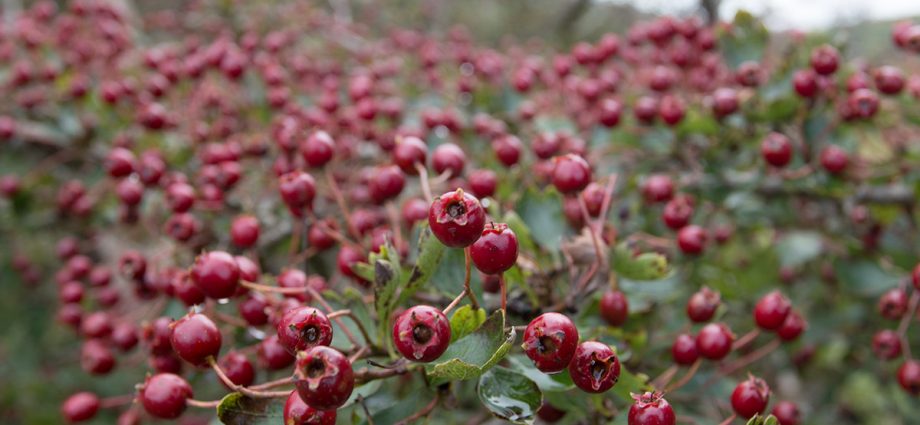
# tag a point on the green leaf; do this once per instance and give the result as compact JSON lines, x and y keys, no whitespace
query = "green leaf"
{"x":863,"y":277}
{"x":431,"y":252}
{"x":556,"y":382}
{"x":237,"y":409}
{"x":465,"y":320}
{"x":543,"y":211}
{"x":470,"y":356}
{"x":630,"y":383}
{"x":745,"y":40}
{"x":645,"y":266}
{"x":797,"y":248}
{"x":510,"y":395}
{"x":763,"y":420}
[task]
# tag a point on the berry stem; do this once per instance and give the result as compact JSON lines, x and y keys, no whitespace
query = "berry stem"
{"x":272,"y":384}
{"x":116,"y":401}
{"x":501,"y":283}
{"x":248,"y":392}
{"x":608,"y":199}
{"x":466,"y":279}
{"x":202,"y":404}
{"x":340,"y":200}
{"x":751,"y":357}
{"x":423,"y":179}
{"x":296,"y":231}
{"x":665,"y":378}
{"x":366,"y":375}
{"x":329,"y":310}
{"x":338,"y":313}
{"x":905,"y":323}
{"x":591,"y":228}
{"x":272,"y":289}
{"x":746,"y":339}
{"x":454,"y":302}
{"x":686,"y":378}
{"x":423,"y":413}
{"x":394,"y":223}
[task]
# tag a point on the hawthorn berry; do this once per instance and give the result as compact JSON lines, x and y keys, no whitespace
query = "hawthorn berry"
{"x":691,"y":239}
{"x":387,"y":182}
{"x":238,"y":368}
{"x":893,"y":304}
{"x":125,"y":336}
{"x":408,"y":152}
{"x":886,"y":344}
{"x":834,"y":159}
{"x":448,"y":158}
{"x":349,"y":256}
{"x":657,"y":188}
{"x":296,"y":412}
{"x":507,"y":149}
{"x":421,"y":333}
{"x":164,"y":395}
{"x":253,"y":310}
{"x":244,"y":231}
{"x":595,"y":367}
{"x":273,"y":355}
{"x":651,"y":409}
{"x":195,"y":337}
{"x":302,"y":328}
{"x":750,"y":397}
{"x":593,"y":195}
{"x":909,"y":377}
{"x":702,"y":305}
{"x":120,"y":162}
{"x":824,"y":59}
{"x":771,"y":310}
{"x":317,"y":150}
{"x":80,"y":407}
{"x":792,"y":327}
{"x":614,"y":307}
{"x":776,"y":149}
{"x":677,"y":213}
{"x":684,"y":350}
{"x":714,"y":341}
{"x":571,"y":173}
{"x":787,"y":413}
{"x":496,"y":250}
{"x":550,"y":341}
{"x":297,"y":191}
{"x":216,"y":273}
{"x":483,"y":183}
{"x":456,"y":219}
{"x":96,"y":358}
{"x":323,"y":377}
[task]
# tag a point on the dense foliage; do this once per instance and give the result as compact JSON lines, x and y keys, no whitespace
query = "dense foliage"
{"x":260,"y":213}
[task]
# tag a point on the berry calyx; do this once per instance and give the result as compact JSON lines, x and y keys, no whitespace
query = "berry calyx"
{"x":456,"y":219}
{"x":421,"y":333}
{"x":496,"y":250}
{"x":163,"y":395}
{"x":550,"y":341}
{"x":296,"y":412}
{"x":216,"y":273}
{"x":195,"y":338}
{"x":614,"y":307}
{"x":651,"y":408}
{"x":324,"y":377}
{"x":750,"y":397}
{"x":302,"y":328}
{"x":595,"y":367}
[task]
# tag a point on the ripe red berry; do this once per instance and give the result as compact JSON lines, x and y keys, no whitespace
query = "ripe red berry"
{"x":651,"y":409}
{"x":164,"y":395}
{"x":834,"y":159}
{"x":571,"y":173}
{"x":776,"y":149}
{"x":677,"y":213}
{"x":195,"y":338}
{"x":386,"y":183}
{"x":456,"y":219}
{"x":702,"y":305}
{"x":595,"y":367}
{"x":750,"y":397}
{"x":421,"y":333}
{"x":302,"y":328}
{"x":724,"y":102}
{"x":771,"y":310}
{"x":346,"y":259}
{"x":792,"y":327}
{"x":657,"y":188}
{"x":297,"y":191}
{"x":273,"y":355}
{"x":671,"y":109}
{"x":550,"y":341}
{"x":909,"y":377}
{"x":805,"y":83}
{"x":216,"y":273}
{"x":824,"y":59}
{"x":886,"y":344}
{"x":448,"y":158}
{"x":296,"y":412}
{"x":593,"y":195}
{"x":684,"y":350}
{"x":253,"y":310}
{"x":549,"y":413}
{"x":408,"y":152}
{"x":893,"y":304}
{"x":507,"y":149}
{"x":714,"y":341}
{"x":324,"y":377}
{"x":120,"y":162}
{"x":238,"y":368}
{"x":614,"y":307}
{"x":496,"y":250}
{"x":691,"y":239}
{"x":96,"y":325}
{"x":787,"y":413}
{"x":889,"y":80}
{"x":125,"y":336}
{"x":96,"y":358}
{"x":646,"y":109}
{"x":862,"y":103}
{"x":318,"y":149}
{"x":245,"y":231}
{"x":546,"y":145}
{"x":483,"y":183}
{"x":80,"y":407}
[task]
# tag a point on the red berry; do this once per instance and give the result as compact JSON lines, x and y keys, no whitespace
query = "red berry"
{"x":483,"y":183}
{"x":691,"y":239}
{"x":296,"y":412}
{"x":550,"y":342}
{"x":677,"y":213}
{"x":549,"y":413}
{"x":886,"y":344}
{"x":702,"y":305}
{"x":646,"y":109}
{"x":346,"y":259}
{"x":96,"y":325}
{"x":125,"y":336}
{"x":408,"y":152}
{"x":317,"y":149}
{"x":245,"y":231}
{"x":238,"y":368}
{"x":595,"y":367}
{"x":651,"y":409}
{"x":776,"y":149}
{"x":195,"y":338}
{"x":834,"y":159}
{"x":386,"y":183}
{"x":496,"y":250}
{"x":318,"y":237}
{"x":158,"y":334}
{"x":805,"y":83}
{"x":302,"y":328}
{"x":571,"y":173}
{"x":421,"y":333}
{"x":909,"y":377}
{"x":771,"y":310}
{"x":792,"y":327}
{"x":96,"y":358}
{"x":507,"y":150}
{"x":297,"y":191}
{"x":657,"y":188}
{"x":889,"y":80}
{"x":120,"y":162}
{"x":448,"y":158}
{"x":456,"y":219}
{"x":180,"y":197}
{"x":80,"y":407}
{"x":824,"y":59}
{"x":724,"y":102}
{"x":671,"y":109}
{"x":163,"y":395}
{"x":786,"y":412}
{"x":216,"y":273}
{"x":593,"y":195}
{"x":750,"y":397}
{"x":614,"y":307}
{"x":862,"y":103}
{"x":609,"y":112}
{"x":273,"y":355}
{"x":714,"y":341}
{"x":893,"y":304}
{"x":324,"y":378}
{"x":684,"y":350}
{"x":253,"y":310}
{"x":546,"y":145}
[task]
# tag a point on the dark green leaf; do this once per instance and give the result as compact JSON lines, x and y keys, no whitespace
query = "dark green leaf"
{"x":470,"y":356}
{"x":645,"y":266}
{"x":543,"y":210}
{"x":431,"y":252}
{"x":237,"y":409}
{"x":510,"y":395}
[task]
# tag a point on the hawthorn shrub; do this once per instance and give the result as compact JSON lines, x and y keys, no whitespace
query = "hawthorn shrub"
{"x":291,"y":220}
